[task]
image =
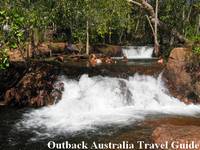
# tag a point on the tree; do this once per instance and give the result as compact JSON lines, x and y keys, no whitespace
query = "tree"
{"x":22,"y":18}
{"x":89,"y":19}
{"x":152,"y":15}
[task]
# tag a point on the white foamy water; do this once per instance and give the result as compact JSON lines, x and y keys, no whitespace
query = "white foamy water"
{"x":132,"y":52}
{"x":99,"y":101}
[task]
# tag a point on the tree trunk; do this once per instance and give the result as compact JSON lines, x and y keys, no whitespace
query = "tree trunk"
{"x":156,"y":43}
{"x":198,"y":24}
{"x":151,"y":26}
{"x":110,"y":36}
{"x":87,"y":36}
{"x":183,"y":19}
{"x":31,"y":44}
{"x":137,"y":25}
{"x":189,"y":14}
{"x":120,"y":37}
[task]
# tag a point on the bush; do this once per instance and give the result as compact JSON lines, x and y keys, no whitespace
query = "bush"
{"x":4,"y":61}
{"x":196,"y":50}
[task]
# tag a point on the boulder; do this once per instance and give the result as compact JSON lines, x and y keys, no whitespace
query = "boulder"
{"x":177,"y":136}
{"x":57,"y":47}
{"x":179,"y":80}
{"x":63,"y":46}
{"x":108,"y":50}
{"x":43,"y":49}
{"x":175,"y":68}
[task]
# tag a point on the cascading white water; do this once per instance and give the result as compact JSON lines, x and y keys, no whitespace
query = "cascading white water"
{"x":98,"y":101}
{"x":133,"y":52}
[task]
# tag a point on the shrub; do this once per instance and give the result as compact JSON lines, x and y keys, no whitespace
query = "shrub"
{"x":4,"y":62}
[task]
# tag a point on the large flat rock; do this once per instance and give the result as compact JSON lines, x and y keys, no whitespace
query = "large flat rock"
{"x":178,"y":137}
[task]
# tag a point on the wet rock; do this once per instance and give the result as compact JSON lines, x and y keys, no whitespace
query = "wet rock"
{"x":56,"y":95}
{"x":179,"y":135}
{"x":125,"y":92}
{"x":59,"y":86}
{"x":42,"y":99}
{"x":75,"y":70}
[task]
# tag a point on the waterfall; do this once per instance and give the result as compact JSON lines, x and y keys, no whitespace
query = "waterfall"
{"x":98,"y":101}
{"x":138,"y":52}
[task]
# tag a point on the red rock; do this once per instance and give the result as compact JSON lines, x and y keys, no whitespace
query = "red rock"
{"x":60,"y":58}
{"x":179,"y":81}
{"x":176,"y":67}
{"x":177,"y":134}
{"x":34,"y":88}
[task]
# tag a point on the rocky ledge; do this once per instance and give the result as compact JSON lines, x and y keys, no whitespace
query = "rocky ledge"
{"x":30,"y":84}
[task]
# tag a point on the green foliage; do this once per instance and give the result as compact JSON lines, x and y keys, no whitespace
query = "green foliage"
{"x":12,"y":32}
{"x":195,"y":37}
{"x":104,"y":17}
{"x":18,"y":19}
{"x":107,"y":18}
{"x":182,"y":15}
{"x":4,"y":62}
{"x":196,"y":50}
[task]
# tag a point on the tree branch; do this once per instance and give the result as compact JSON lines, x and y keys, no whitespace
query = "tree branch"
{"x":150,"y":24}
{"x":150,"y":10}
{"x":134,"y":2}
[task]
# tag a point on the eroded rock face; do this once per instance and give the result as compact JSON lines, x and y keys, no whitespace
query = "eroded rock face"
{"x":181,"y":83}
{"x":177,"y":136}
{"x":36,"y":88}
